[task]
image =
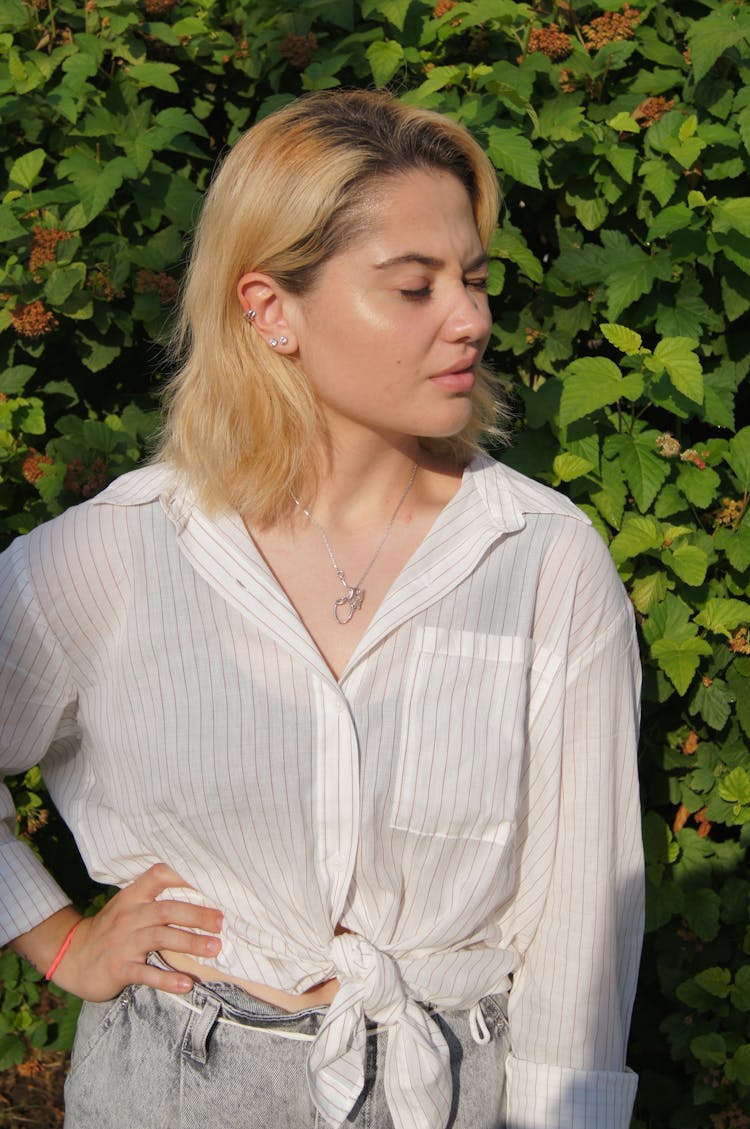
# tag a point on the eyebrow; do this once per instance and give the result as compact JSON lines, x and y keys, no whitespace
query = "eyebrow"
{"x":428,"y":261}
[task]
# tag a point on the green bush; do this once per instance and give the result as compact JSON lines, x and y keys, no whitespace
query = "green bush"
{"x":621,"y":287}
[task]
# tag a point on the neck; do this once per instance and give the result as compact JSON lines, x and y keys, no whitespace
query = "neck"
{"x":358,"y":485}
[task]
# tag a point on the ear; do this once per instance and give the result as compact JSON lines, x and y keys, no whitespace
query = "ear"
{"x":259,"y":292}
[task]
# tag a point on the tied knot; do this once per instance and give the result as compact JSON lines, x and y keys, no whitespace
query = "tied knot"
{"x":417,"y":1074}
{"x":371,"y":978}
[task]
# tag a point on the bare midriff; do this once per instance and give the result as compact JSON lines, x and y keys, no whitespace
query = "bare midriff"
{"x":319,"y":995}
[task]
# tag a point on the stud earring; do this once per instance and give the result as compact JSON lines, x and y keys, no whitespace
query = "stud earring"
{"x":283,"y":341}
{"x":250,"y":315}
{"x":273,"y":342}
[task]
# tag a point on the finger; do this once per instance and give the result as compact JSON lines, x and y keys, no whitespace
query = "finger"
{"x":176,"y":982}
{"x":178,"y":940}
{"x":178,"y":913}
{"x":157,"y":878}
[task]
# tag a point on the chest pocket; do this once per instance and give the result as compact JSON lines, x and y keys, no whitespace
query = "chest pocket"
{"x":463,"y":734}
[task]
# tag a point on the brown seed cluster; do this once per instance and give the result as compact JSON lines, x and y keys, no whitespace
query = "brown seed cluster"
{"x":690,"y":744}
{"x":158,"y":7}
{"x":740,"y":642}
{"x":33,"y":319}
{"x":32,"y":465}
{"x":299,"y":49}
{"x":611,"y":27}
{"x":733,"y":1116}
{"x":730,"y":513}
{"x":44,"y":247}
{"x":551,"y":41}
{"x":86,"y":480}
{"x":101,"y":286}
{"x":442,"y":7}
{"x":652,"y":110}
{"x":157,"y":282}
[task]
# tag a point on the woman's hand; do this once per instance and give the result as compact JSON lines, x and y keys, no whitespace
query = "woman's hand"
{"x":109,"y":950}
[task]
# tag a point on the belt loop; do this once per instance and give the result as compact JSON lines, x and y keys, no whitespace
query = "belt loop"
{"x":199,"y":1028}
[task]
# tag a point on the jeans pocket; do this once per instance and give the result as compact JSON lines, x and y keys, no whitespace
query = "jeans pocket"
{"x":94,"y":1021}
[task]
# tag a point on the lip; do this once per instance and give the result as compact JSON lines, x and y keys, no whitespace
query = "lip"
{"x":459,"y":378}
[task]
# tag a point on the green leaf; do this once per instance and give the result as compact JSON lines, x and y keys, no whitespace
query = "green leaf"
{"x":513,"y":154}
{"x":648,"y":591}
{"x":739,"y":456}
{"x":736,"y":544}
{"x":10,"y":228}
{"x":645,"y":471}
{"x":713,"y":702}
{"x":14,"y":379}
{"x":63,"y":281}
{"x":680,"y":661}
{"x":682,"y":365}
{"x":639,"y":534}
{"x":26,"y":169}
{"x":508,"y":244}
{"x":710,"y":37}
{"x":590,"y":383}
{"x":385,"y":58}
{"x":710,"y":1050}
{"x":568,"y":467}
{"x":394,"y":10}
{"x":659,"y":179}
{"x":701,"y":912}
{"x":735,"y":787}
{"x":722,"y":615}
{"x":737,"y":1069}
{"x":688,"y":562}
{"x":670,"y":220}
{"x":12,"y":1051}
{"x":591,"y":210}
{"x":740,"y":993}
{"x":623,"y":123}
{"x":698,"y":486}
{"x":158,"y":75}
{"x":632,"y":274}
{"x":626,"y":340}
{"x":95,"y":184}
{"x":733,"y":215}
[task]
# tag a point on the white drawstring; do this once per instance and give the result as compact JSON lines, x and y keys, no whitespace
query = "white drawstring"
{"x":480,"y":1032}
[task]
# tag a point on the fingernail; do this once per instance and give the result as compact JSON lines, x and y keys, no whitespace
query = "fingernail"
{"x":184,"y":985}
{"x":213,"y":944}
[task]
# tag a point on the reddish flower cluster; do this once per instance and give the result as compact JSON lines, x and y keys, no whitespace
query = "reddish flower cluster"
{"x":158,"y":7}
{"x":696,"y":458}
{"x":611,"y":27}
{"x":86,"y":480}
{"x":102,"y":286}
{"x":682,"y":816}
{"x":532,"y":335}
{"x":566,"y":81}
{"x":668,"y":445}
{"x":161,"y":283}
{"x":44,"y":247}
{"x":33,"y":319}
{"x":442,"y":7}
{"x":32,"y":465}
{"x":299,"y":49}
{"x":551,"y":41}
{"x":652,"y":109}
{"x":733,"y":1117}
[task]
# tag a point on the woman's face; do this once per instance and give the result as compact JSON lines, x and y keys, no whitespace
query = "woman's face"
{"x":392,"y":332}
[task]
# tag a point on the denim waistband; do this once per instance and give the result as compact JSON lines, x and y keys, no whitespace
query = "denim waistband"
{"x":232,"y":1005}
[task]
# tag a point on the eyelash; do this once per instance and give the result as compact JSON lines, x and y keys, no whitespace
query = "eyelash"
{"x":425,"y":291}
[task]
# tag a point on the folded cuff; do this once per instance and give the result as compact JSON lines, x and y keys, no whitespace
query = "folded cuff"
{"x":558,"y":1097}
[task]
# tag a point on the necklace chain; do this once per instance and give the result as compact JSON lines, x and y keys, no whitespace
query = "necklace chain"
{"x":353,"y":598}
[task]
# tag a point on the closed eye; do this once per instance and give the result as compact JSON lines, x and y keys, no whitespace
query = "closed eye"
{"x":477,"y":283}
{"x":416,"y":295}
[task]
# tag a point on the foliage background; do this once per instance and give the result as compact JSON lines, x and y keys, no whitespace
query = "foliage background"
{"x":621,"y":292}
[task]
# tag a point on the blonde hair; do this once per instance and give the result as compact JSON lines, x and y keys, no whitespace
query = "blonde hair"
{"x":241,"y":419}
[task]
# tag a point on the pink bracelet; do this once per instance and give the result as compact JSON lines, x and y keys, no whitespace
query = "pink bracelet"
{"x":61,"y":952}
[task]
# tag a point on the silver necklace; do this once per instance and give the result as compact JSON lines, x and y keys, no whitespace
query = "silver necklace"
{"x":353,"y":598}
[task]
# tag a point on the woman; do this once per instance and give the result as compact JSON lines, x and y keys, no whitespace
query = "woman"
{"x":346,"y":709}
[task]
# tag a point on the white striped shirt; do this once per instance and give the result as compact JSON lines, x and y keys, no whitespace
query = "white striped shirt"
{"x":463,"y":799}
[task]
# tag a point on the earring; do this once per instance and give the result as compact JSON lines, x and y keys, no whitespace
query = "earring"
{"x":250,"y":315}
{"x":273,"y":342}
{"x":283,"y":341}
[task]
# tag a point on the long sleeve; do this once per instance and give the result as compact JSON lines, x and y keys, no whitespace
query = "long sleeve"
{"x":37,"y":710}
{"x":571,"y":1000}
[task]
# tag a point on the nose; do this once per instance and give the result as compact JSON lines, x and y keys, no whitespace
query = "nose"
{"x":469,"y":316}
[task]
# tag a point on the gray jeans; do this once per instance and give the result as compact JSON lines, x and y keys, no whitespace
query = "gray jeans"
{"x":220,"y":1059}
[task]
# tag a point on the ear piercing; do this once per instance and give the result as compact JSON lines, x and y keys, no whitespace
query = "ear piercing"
{"x":250,"y":315}
{"x":278,"y":341}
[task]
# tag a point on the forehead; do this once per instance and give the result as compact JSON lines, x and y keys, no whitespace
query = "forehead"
{"x":418,"y":211}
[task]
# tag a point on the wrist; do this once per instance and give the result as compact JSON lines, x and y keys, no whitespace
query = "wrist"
{"x":59,"y":955}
